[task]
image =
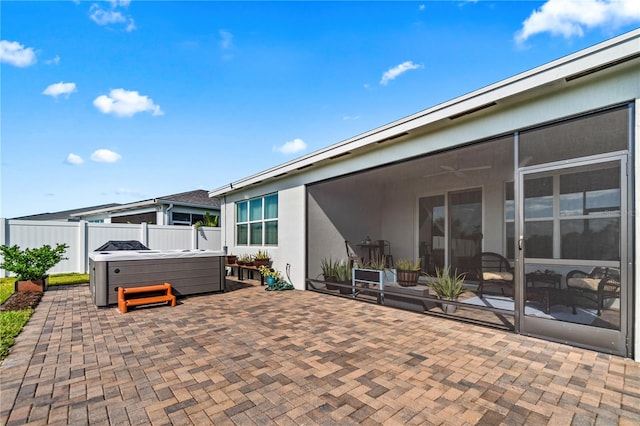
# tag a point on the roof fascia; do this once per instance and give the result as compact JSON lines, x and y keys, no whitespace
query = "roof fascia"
{"x":184,"y":204}
{"x":122,"y":207}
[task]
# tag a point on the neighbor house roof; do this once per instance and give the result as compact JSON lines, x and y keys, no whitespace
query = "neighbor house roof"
{"x":68,"y":215}
{"x":198,"y":198}
{"x":550,"y":76}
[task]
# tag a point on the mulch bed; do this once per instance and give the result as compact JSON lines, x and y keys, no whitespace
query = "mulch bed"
{"x":21,"y":300}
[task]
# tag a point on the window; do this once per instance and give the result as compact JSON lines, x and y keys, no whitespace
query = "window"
{"x":257,"y":221}
{"x":186,"y":219}
{"x":572,"y":214}
{"x":590,"y":211}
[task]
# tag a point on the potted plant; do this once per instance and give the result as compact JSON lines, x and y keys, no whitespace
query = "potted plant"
{"x":329,"y":273}
{"x":231,"y":259}
{"x":31,"y":265}
{"x":245,"y":259}
{"x":448,"y":287}
{"x":408,"y":272}
{"x":344,"y":272}
{"x":261,"y":259}
{"x":271,"y":275}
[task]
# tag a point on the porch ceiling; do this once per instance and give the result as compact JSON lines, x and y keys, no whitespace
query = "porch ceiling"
{"x":458,"y":162}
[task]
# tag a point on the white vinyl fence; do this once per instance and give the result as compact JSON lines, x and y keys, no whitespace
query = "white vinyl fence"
{"x":84,"y":237}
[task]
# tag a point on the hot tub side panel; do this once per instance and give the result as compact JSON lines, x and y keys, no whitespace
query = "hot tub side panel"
{"x":187,"y":276}
{"x":98,"y":282}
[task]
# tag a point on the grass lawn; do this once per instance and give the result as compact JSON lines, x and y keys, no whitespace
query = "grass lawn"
{"x":11,"y":322}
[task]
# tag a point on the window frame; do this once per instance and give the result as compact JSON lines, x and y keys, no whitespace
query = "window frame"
{"x":252,"y":223}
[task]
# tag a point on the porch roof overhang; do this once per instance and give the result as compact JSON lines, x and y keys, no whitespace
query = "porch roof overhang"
{"x":563,"y":71}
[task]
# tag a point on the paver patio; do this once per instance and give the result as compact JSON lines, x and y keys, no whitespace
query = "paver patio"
{"x":254,"y":357}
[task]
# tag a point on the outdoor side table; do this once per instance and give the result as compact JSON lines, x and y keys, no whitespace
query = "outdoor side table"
{"x":541,"y":286}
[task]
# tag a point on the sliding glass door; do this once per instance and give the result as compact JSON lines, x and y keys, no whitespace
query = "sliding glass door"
{"x":450,"y":231}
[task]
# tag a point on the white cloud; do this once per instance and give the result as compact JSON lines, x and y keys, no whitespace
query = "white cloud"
{"x":291,"y":147}
{"x":105,"y":17}
{"x":421,"y":7}
{"x":74,"y":159}
{"x":112,"y":16}
{"x":16,"y":54}
{"x":53,"y":61}
{"x":58,"y":89}
{"x":351,"y":117}
{"x":227,"y":40}
{"x":128,"y":191}
{"x":130,"y":26}
{"x":105,"y":156}
{"x":398,"y":70}
{"x":570,"y":18}
{"x":125,"y":103}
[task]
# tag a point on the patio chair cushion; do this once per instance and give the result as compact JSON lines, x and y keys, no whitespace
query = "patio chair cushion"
{"x":497,"y":275}
{"x":584,"y":283}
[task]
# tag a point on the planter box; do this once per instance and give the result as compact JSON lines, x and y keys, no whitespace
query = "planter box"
{"x":32,"y":285}
{"x":374,"y":276}
{"x":367,"y":277}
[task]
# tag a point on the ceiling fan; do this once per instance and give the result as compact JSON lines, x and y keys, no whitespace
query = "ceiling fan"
{"x":456,"y":171}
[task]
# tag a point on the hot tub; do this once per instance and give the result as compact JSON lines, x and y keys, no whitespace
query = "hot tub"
{"x":188,"y":271}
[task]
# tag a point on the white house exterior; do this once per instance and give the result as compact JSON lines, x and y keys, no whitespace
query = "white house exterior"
{"x":540,"y":168}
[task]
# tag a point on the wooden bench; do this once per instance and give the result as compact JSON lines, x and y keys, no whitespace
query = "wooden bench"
{"x":139,"y":297}
{"x":249,"y":268}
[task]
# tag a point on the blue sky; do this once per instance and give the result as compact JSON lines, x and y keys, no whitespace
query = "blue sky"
{"x":122,"y":101}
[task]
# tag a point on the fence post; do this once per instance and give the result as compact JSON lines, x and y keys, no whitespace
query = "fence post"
{"x":194,"y":237}
{"x":83,"y":250}
{"x":144,"y":234}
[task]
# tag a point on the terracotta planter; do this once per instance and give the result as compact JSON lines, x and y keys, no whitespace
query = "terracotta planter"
{"x":231,"y":259}
{"x":32,"y":285}
{"x":261,"y":262}
{"x":408,"y":278}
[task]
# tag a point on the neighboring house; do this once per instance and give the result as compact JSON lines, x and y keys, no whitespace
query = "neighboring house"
{"x":185,"y":208}
{"x":539,"y":168}
{"x":65,"y":215}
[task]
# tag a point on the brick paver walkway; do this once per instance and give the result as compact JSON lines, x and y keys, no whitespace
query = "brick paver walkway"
{"x":254,"y":357}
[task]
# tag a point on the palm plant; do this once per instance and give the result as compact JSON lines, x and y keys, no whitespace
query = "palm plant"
{"x":207,"y":220}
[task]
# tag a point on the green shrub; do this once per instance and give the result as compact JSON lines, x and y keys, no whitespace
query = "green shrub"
{"x":31,"y":264}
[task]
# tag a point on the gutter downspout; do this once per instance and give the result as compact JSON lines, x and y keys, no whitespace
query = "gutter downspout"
{"x":224,"y":247}
{"x":167,"y":214}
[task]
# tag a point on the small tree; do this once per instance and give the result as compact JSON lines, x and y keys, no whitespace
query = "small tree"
{"x":31,"y":264}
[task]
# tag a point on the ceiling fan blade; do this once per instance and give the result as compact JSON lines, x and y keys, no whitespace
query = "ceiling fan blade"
{"x":469,"y":169}
{"x":436,"y":174}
